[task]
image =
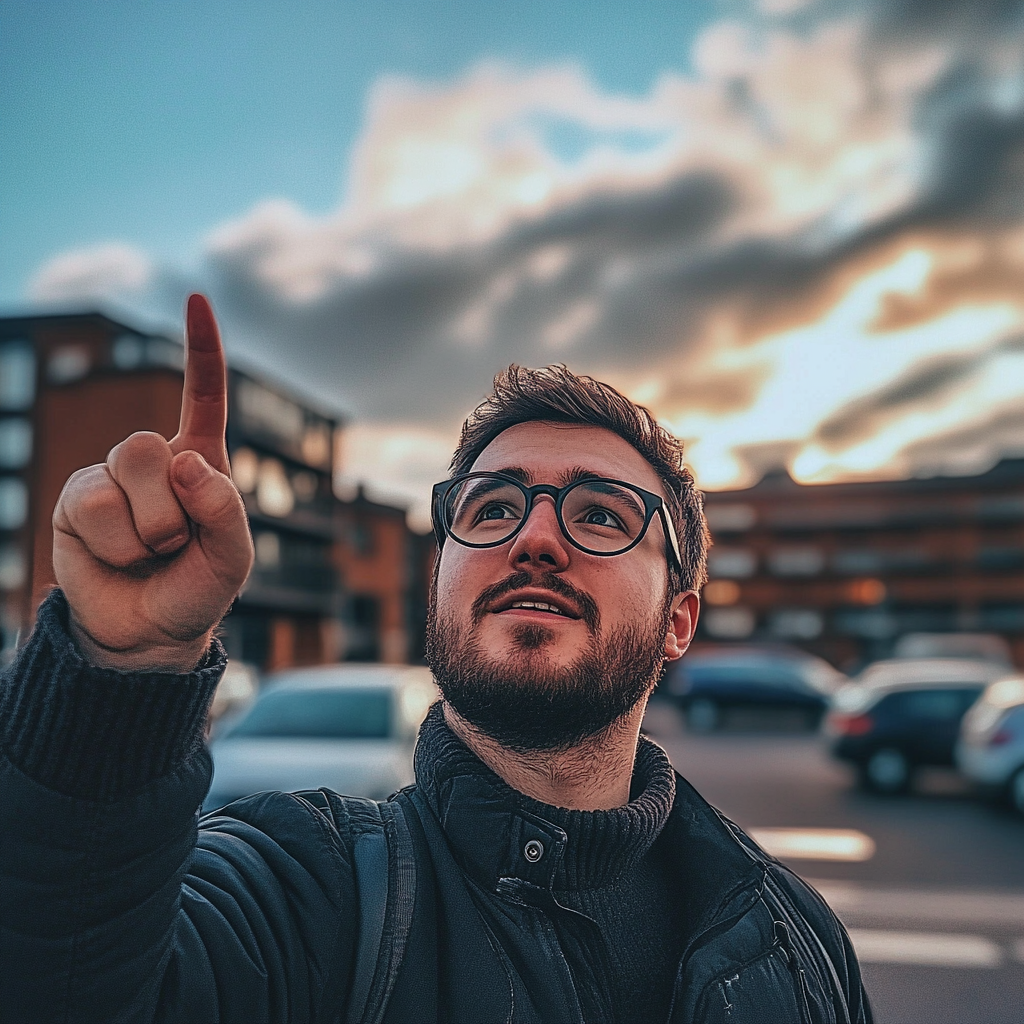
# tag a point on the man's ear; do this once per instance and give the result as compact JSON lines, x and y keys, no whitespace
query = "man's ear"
{"x":682,"y":624}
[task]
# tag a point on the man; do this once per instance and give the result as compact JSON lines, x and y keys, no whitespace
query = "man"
{"x":548,"y":865}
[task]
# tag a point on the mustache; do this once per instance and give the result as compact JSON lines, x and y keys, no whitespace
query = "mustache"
{"x":543,"y":581}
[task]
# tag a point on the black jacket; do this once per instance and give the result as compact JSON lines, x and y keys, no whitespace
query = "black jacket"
{"x":118,"y":903}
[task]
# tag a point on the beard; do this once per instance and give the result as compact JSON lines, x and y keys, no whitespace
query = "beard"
{"x":526,"y":703}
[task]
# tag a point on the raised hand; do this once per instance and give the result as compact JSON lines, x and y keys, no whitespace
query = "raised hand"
{"x":152,"y":546}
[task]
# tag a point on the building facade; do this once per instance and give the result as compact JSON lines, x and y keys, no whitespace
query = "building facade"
{"x":386,"y":568}
{"x":72,"y":386}
{"x":844,"y":570}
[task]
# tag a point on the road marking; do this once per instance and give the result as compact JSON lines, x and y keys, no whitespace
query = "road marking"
{"x":932,"y":949}
{"x":1018,"y":950}
{"x":857,"y":903}
{"x":815,"y":843}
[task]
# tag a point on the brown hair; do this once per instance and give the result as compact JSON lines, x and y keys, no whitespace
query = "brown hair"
{"x":522,"y":395}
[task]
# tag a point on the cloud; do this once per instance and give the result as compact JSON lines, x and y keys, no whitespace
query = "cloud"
{"x":806,"y":250}
{"x":104,"y":271}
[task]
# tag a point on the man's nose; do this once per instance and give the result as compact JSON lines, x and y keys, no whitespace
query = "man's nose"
{"x":540,"y":542}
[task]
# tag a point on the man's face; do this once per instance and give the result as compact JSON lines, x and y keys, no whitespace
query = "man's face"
{"x":609,"y":622}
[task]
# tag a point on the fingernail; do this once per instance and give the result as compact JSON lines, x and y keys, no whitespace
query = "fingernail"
{"x":167,"y":547}
{"x":190,"y":470}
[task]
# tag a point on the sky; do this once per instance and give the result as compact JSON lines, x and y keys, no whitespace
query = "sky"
{"x":793,"y":228}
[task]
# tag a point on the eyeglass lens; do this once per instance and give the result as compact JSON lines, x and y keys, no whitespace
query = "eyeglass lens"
{"x":597,"y":514}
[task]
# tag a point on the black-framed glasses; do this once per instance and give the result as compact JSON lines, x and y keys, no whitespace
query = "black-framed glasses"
{"x":598,"y":516}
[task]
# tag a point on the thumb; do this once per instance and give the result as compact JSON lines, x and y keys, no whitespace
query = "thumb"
{"x":211,"y":501}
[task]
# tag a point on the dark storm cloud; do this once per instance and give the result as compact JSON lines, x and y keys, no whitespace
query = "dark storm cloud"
{"x":377,"y":336}
{"x":972,"y":448}
{"x":926,"y":383}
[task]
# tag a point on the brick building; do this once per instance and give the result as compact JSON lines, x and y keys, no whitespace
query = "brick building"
{"x":386,"y":568}
{"x":72,"y":386}
{"x":844,"y":570}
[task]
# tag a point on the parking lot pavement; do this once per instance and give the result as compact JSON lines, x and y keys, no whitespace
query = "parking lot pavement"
{"x":930,"y":886}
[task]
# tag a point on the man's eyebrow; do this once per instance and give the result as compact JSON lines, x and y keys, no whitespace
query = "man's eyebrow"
{"x":516,"y":472}
{"x":578,"y":473}
{"x":570,"y":476}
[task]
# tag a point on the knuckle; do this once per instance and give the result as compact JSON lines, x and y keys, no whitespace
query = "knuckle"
{"x":139,"y":449}
{"x":86,"y":490}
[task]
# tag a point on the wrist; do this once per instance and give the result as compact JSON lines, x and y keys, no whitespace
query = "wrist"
{"x":170,"y":658}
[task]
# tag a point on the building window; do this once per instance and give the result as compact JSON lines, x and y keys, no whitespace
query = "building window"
{"x":164,"y":352}
{"x":68,"y":363}
{"x":731,"y":563}
{"x":15,"y":443}
{"x":316,"y":445}
{"x":17,"y":374}
{"x":268,"y":549}
{"x":797,"y":623}
{"x":13,"y":503}
{"x":857,"y":563}
{"x":245,"y":469}
{"x":730,"y":623}
{"x":360,"y":536}
{"x":274,"y":494}
{"x":995,"y":558}
{"x":796,"y":561}
{"x":870,"y":623}
{"x":721,"y":592}
{"x":127,"y":352}
{"x":1004,"y":618}
{"x":263,"y":411}
{"x":12,"y":567}
{"x":304,"y":484}
{"x":730,"y":518}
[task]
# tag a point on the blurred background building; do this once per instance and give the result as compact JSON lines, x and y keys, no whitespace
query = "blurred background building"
{"x":332,"y":579}
{"x":845,"y":570}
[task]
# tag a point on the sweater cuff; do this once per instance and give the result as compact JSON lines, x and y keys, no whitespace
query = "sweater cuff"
{"x":94,"y":733}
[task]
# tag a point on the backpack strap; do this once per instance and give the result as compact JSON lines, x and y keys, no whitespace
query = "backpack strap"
{"x":385,"y":870}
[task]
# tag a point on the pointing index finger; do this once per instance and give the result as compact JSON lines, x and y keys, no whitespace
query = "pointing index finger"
{"x":204,"y":398}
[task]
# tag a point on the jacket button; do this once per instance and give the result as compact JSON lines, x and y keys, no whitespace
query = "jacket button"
{"x":533,"y":851}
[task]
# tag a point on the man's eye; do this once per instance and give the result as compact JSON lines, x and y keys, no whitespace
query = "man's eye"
{"x":496,"y":511}
{"x":602,"y":517}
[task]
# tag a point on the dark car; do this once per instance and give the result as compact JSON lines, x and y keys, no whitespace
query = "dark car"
{"x":901,"y":715}
{"x":710,"y":683}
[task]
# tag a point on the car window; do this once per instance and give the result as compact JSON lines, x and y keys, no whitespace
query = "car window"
{"x":934,"y":704}
{"x":320,"y":714}
{"x":743,"y":674}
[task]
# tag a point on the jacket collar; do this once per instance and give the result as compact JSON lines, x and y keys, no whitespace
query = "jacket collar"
{"x":497,"y":832}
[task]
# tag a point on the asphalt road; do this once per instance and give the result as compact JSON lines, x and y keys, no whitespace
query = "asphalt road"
{"x":935,"y":900}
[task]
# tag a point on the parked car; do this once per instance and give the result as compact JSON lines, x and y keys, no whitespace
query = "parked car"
{"x":902,"y":714}
{"x":975,"y":646}
{"x":350,"y":728}
{"x":711,"y":681}
{"x":990,"y":751}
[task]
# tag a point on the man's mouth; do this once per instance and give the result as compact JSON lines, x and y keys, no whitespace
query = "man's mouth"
{"x":551,"y":606}
{"x":527,"y":595}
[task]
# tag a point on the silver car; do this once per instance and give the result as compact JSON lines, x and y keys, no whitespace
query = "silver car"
{"x":990,"y":751}
{"x":350,"y":728}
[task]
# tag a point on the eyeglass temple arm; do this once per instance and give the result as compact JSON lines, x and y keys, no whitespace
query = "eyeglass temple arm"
{"x":673,"y":538}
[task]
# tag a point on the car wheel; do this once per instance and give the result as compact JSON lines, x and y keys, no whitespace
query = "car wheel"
{"x":1016,"y":790}
{"x":703,"y":715}
{"x":886,"y":771}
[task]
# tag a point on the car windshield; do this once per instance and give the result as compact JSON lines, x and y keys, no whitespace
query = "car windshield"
{"x":319,"y":714}
{"x":748,"y":673}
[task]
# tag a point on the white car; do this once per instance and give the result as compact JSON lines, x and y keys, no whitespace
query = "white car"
{"x":349,"y":728}
{"x":990,"y":751}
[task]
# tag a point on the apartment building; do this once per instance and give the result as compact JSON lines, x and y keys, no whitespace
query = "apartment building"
{"x":72,"y":386}
{"x":845,"y":570}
